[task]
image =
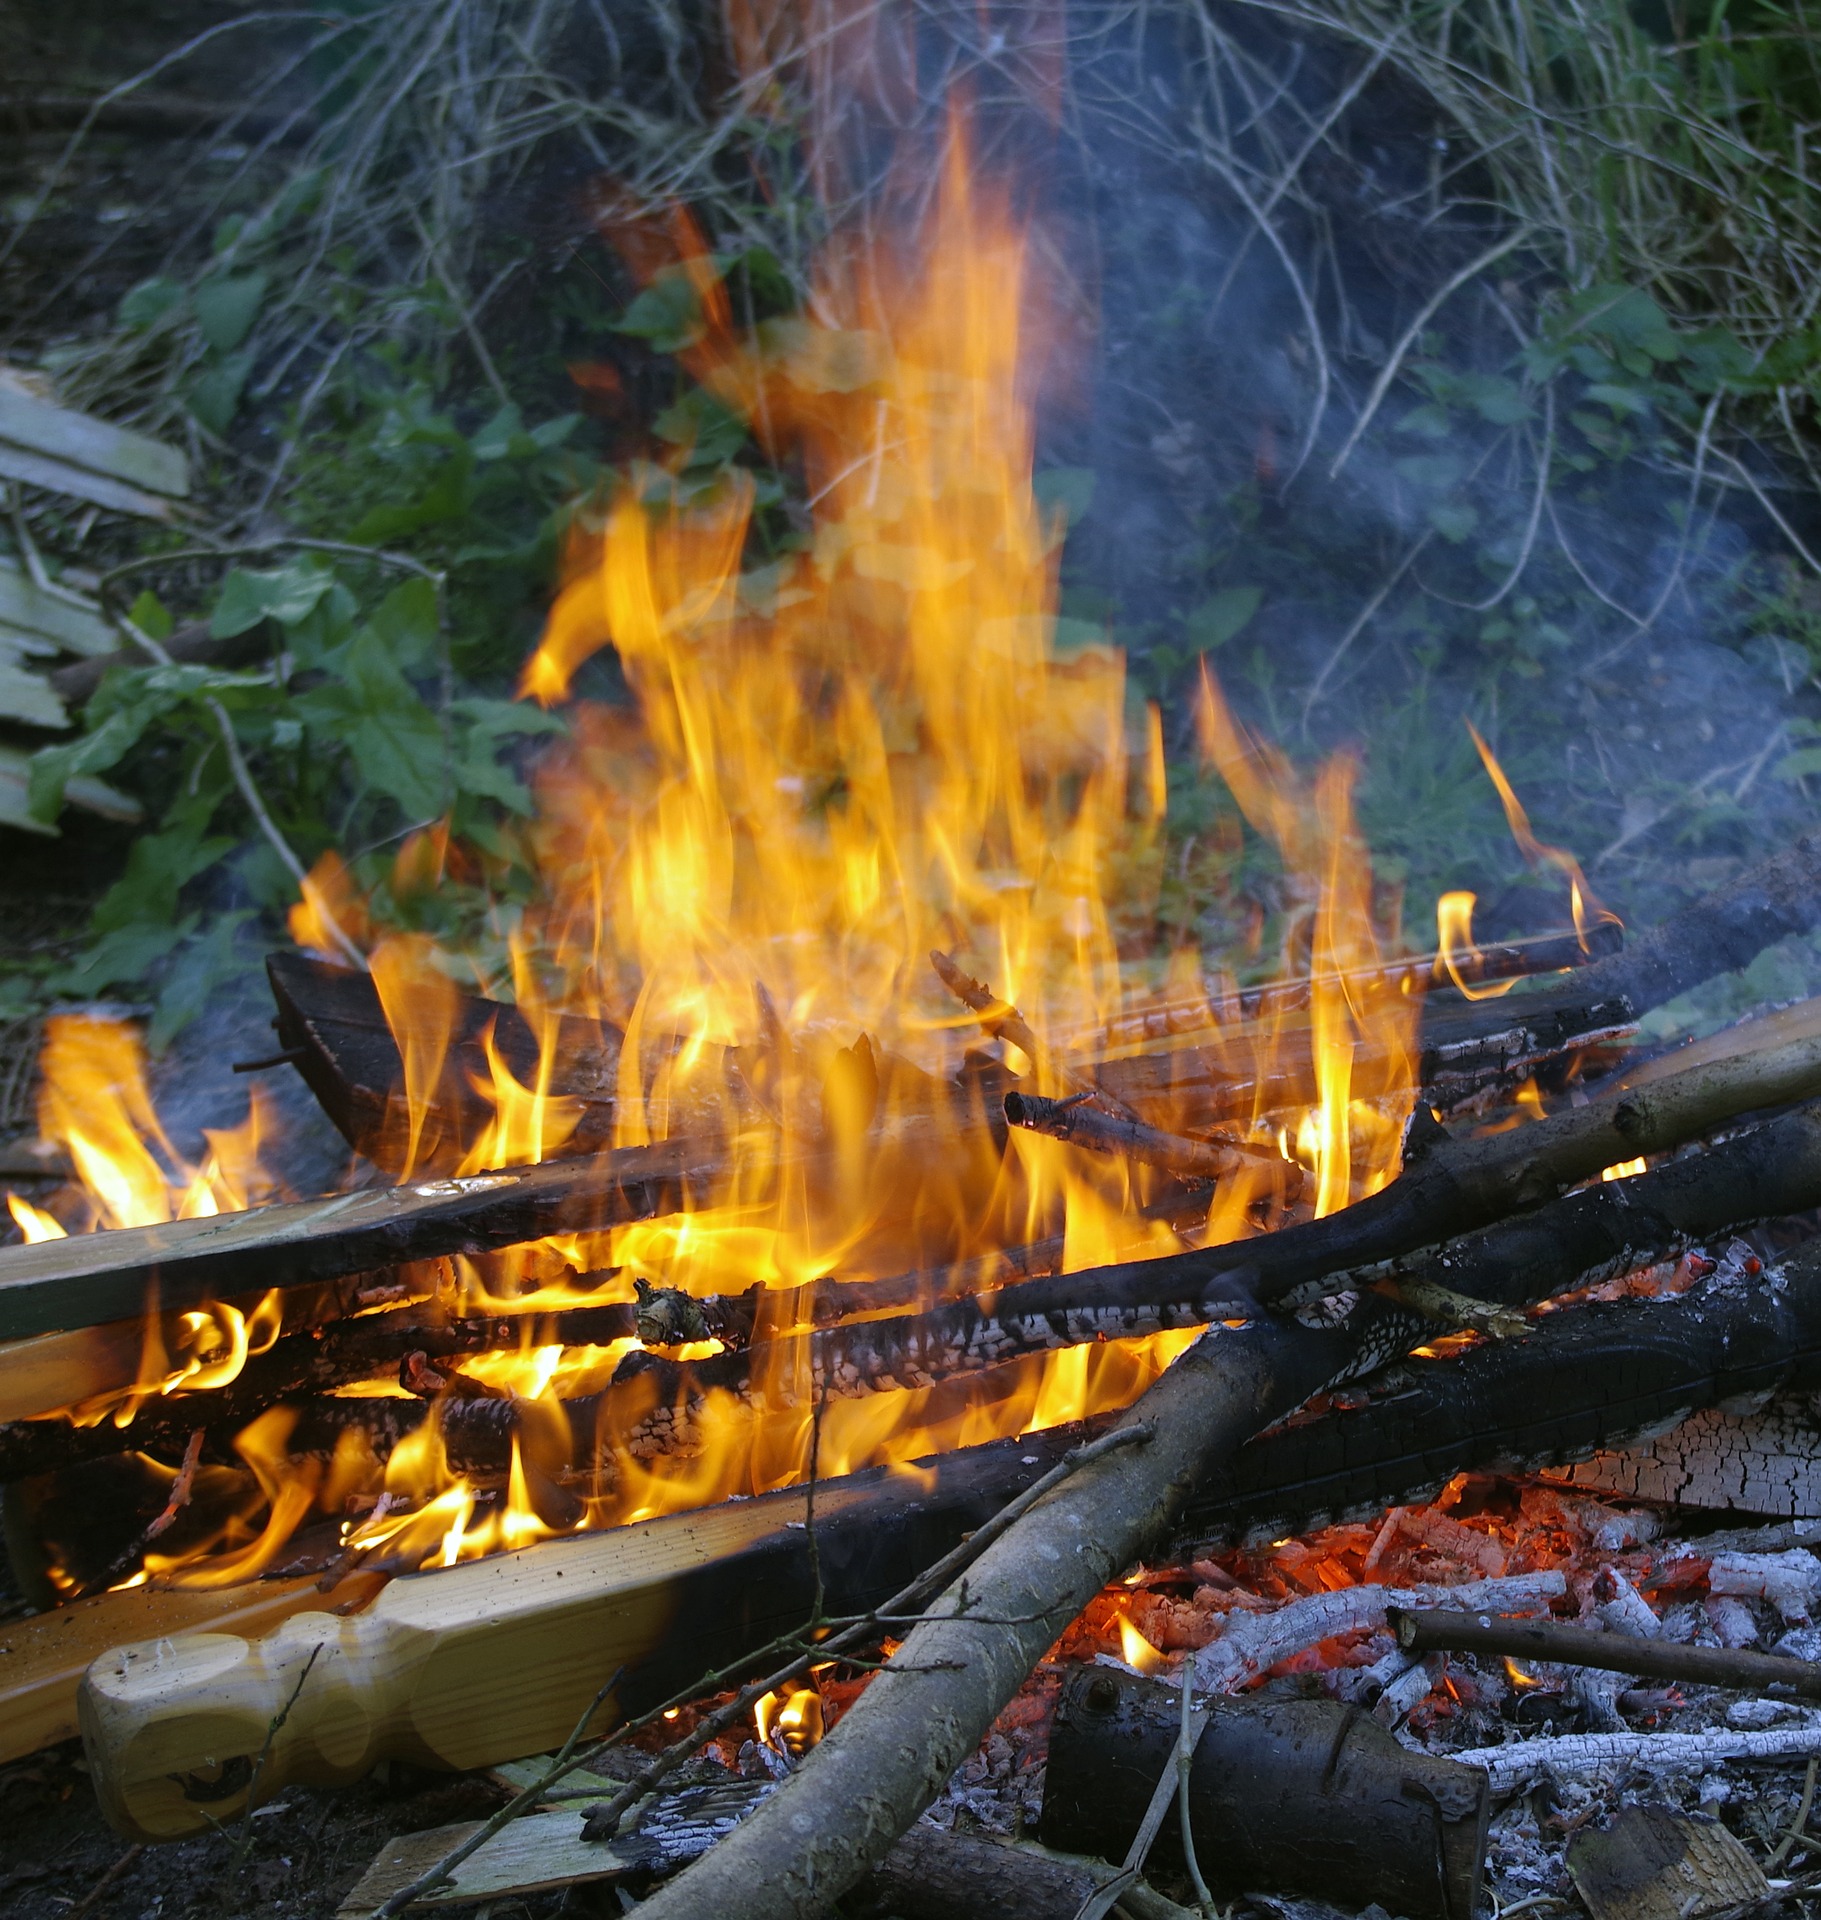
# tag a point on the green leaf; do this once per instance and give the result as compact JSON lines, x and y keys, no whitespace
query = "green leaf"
{"x":1438,"y":470}
{"x":1494,"y":398}
{"x":208,"y":961}
{"x":143,"y":306}
{"x":151,"y":616}
{"x":1626,"y":400}
{"x":1221,"y":617}
{"x":1797,"y":766}
{"x":285,"y":594}
{"x":405,"y":623}
{"x":709,"y":432}
{"x":227,"y":307}
{"x":214,"y":395}
{"x":1427,"y":422}
{"x":448,"y":496}
{"x":395,"y":742}
{"x":495,"y":440}
{"x":1070,"y":488}
{"x":126,"y":955}
{"x":158,"y":868}
{"x":667,"y":314}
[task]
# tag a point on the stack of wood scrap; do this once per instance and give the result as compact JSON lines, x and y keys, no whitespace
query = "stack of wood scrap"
{"x":43,"y":620}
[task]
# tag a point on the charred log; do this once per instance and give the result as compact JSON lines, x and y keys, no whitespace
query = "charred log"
{"x":1590,"y":1236}
{"x":1585,"y":1379}
{"x":1301,"y":1796}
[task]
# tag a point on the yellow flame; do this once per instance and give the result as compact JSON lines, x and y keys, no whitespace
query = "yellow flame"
{"x":795,"y":1717}
{"x":33,"y":1222}
{"x":1454,"y":943}
{"x":1624,"y":1169}
{"x":1137,"y":1651}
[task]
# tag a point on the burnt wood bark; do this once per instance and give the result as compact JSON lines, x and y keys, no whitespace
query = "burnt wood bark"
{"x":1300,"y":1796}
{"x":1584,"y":1379}
{"x":931,"y":1704}
{"x":935,"y":1875}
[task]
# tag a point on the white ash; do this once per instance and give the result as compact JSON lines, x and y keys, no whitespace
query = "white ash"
{"x":1787,"y":1580}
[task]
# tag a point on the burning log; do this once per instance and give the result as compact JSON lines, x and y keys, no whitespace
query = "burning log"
{"x":1575,"y":1241}
{"x":1455,"y":1184}
{"x":1082,"y":1124}
{"x":1446,"y":1630}
{"x":334,"y":1030}
{"x":1300,"y":1796}
{"x":89,"y":1279}
{"x":491,"y":1659}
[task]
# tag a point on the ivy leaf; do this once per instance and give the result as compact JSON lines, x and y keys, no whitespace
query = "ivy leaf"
{"x":227,"y":307}
{"x":709,"y":432}
{"x":1222,"y":617}
{"x":668,"y":314}
{"x":1453,"y":521}
{"x":285,"y":594}
{"x":143,"y":306}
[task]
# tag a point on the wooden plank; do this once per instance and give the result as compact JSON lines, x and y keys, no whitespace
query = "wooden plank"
{"x":59,"y":476}
{"x":80,"y":440}
{"x":472,"y":1665}
{"x":27,"y":699}
{"x":43,"y":1658}
{"x":65,"y":619}
{"x":533,"y":1854}
{"x":89,"y":1279}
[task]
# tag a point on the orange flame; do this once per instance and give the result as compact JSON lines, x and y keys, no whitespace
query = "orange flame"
{"x":848,"y":750}
{"x":1587,"y":908}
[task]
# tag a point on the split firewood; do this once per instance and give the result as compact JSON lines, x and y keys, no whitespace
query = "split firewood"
{"x":333,"y":1029}
{"x":1300,"y":1796}
{"x":1449,"y":1630}
{"x":932,"y":1702}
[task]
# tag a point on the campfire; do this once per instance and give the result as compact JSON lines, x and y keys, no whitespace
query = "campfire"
{"x":828,"y":1198}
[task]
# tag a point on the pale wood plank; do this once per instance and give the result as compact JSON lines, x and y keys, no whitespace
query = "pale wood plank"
{"x":59,"y":476}
{"x":80,"y":440}
{"x":66,"y":619}
{"x":29,"y":699}
{"x":531,"y":1855}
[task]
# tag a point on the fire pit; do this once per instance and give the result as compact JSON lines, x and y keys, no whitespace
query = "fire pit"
{"x":834,"y":1307}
